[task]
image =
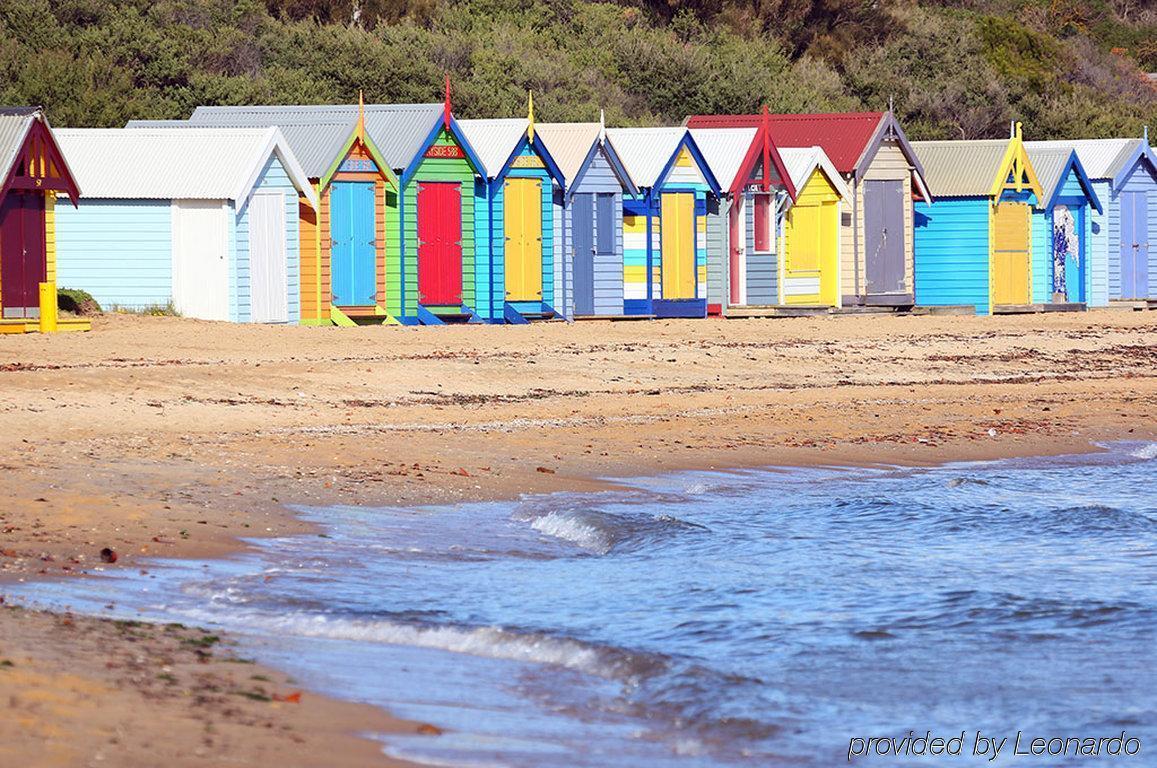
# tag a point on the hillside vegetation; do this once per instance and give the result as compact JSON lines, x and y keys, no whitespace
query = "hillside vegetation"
{"x":954,"y":68}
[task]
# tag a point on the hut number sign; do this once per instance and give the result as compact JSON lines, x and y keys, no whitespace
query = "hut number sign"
{"x":527,"y":161}
{"x":358,"y":165}
{"x":446,"y":151}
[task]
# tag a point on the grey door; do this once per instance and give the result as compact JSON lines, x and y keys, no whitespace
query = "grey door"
{"x":583,"y":221}
{"x":884,"y":236}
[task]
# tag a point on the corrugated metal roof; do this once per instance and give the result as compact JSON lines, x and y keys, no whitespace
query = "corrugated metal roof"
{"x":167,"y":164}
{"x":724,"y":150}
{"x":569,"y":144}
{"x":493,"y":140}
{"x":842,"y":135}
{"x":961,"y":168}
{"x":802,"y":161}
{"x":1049,"y":164}
{"x":645,"y":152}
{"x":397,"y":130}
{"x":13,"y":129}
{"x":1101,"y":158}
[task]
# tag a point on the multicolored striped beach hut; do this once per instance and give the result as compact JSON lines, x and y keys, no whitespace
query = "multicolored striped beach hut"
{"x":974,"y":245}
{"x":214,"y":236}
{"x":33,"y":172}
{"x":808,"y":271}
{"x":665,"y":226}
{"x":591,"y":274}
{"x":518,"y":222}
{"x":1124,"y":234}
{"x":882,"y":171}
{"x":744,"y":228}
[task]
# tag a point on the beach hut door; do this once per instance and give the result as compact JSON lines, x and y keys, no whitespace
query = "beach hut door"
{"x":268,"y":276}
{"x":884,"y":236}
{"x":201,"y":259}
{"x":22,"y":260}
{"x":523,"y":230}
{"x":440,"y":244}
{"x":583,"y":216}
{"x":1134,"y":245}
{"x":353,"y":229}
{"x":678,"y":242}
{"x":1010,"y":255}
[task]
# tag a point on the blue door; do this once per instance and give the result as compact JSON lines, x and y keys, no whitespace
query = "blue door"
{"x":353,"y":257}
{"x":583,"y":221}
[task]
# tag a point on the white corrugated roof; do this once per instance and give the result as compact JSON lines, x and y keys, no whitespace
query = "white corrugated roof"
{"x":961,"y":168}
{"x":645,"y":152}
{"x":1101,"y":158}
{"x":1050,"y":164}
{"x":170,"y":164}
{"x":569,"y":144}
{"x":724,"y":150}
{"x":493,"y":140}
{"x":802,"y":161}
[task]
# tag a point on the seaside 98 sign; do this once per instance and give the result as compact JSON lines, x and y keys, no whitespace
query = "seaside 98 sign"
{"x":445,"y":152}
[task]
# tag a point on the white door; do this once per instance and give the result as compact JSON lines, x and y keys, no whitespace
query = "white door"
{"x":201,"y":258}
{"x":268,"y":286}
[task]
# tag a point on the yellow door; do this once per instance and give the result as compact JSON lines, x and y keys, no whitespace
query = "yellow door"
{"x":803,"y":254}
{"x":678,"y":246}
{"x":1011,"y":244}
{"x":523,"y":229}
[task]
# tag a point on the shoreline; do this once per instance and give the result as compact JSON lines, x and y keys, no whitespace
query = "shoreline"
{"x":198,"y":443}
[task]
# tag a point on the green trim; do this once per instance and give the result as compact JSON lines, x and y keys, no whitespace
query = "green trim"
{"x":383,"y":167}
{"x":340,"y":318}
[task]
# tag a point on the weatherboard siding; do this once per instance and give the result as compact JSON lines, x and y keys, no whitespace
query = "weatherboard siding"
{"x":761,"y":271}
{"x":273,"y":179}
{"x":120,"y":251}
{"x":600,"y":178}
{"x":717,"y":261}
{"x":888,"y":164}
{"x":952,"y":253}
{"x":1098,"y":227}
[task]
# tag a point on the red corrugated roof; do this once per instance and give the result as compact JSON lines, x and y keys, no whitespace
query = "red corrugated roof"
{"x":842,"y":135}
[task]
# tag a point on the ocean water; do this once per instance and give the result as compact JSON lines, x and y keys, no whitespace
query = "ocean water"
{"x":757,"y":617}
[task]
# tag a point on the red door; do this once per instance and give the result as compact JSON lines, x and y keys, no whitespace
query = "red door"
{"x":22,"y":255}
{"x":440,"y":243}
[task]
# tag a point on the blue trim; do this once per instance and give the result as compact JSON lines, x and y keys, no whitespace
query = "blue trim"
{"x":680,"y":308}
{"x":456,"y":132}
{"x":616,"y":164}
{"x":651,"y":250}
{"x":1073,"y":164}
{"x":426,"y":317}
{"x":1143,"y":151}
{"x":401,"y":247}
{"x":490,"y":246}
{"x":512,"y":315}
{"x":689,"y":142}
{"x":539,"y":149}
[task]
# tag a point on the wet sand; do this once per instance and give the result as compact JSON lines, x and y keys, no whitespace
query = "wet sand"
{"x":171,"y":437}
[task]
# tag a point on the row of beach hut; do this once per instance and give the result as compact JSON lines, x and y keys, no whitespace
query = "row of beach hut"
{"x":354,"y":214}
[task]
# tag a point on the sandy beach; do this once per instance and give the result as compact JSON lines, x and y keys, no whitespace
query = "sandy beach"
{"x":157,"y":436}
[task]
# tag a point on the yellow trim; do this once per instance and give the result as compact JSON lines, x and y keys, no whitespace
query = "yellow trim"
{"x":48,"y":307}
{"x":50,"y":237}
{"x":1016,"y":163}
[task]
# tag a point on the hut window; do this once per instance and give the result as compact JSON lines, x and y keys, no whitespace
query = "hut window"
{"x":763,"y":222}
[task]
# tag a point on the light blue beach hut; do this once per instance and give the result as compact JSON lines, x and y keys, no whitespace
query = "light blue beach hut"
{"x":591,"y":272}
{"x":203,"y":220}
{"x":1124,"y":178}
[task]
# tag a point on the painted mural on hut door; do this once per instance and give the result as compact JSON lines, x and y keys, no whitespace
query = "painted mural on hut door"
{"x":1068,"y":269}
{"x":523,"y":230}
{"x":440,"y":243}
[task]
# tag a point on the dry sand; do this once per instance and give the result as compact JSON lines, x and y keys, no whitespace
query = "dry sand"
{"x":163,"y":436}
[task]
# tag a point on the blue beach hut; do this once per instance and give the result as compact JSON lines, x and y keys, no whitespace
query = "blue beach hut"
{"x":215,"y":235}
{"x":518,"y":222}
{"x":1124,"y":178}
{"x":974,"y":246}
{"x":665,"y":225}
{"x":595,"y":181}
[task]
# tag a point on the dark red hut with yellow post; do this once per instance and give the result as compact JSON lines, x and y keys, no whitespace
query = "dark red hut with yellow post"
{"x":32,"y":173}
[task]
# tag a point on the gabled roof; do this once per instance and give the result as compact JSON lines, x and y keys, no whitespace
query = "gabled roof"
{"x":16,"y":125}
{"x":648,"y":154}
{"x":1052,"y":167}
{"x":1101,"y":158}
{"x":197,"y":163}
{"x":574,"y":145}
{"x":734,"y":153}
{"x":974,"y":168}
{"x":498,"y":140}
{"x":801,"y":162}
{"x":317,"y":132}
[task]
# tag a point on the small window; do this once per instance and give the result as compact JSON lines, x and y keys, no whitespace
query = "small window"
{"x":845,"y":219}
{"x":764,"y":222}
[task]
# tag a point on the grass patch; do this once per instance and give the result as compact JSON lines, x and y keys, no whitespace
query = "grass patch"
{"x":204,"y":641}
{"x":77,"y":301}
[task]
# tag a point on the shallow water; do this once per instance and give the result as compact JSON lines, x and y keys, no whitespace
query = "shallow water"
{"x":709,"y":619}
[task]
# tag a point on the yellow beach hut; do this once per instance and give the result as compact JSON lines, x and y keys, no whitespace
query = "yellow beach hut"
{"x":810,"y":253}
